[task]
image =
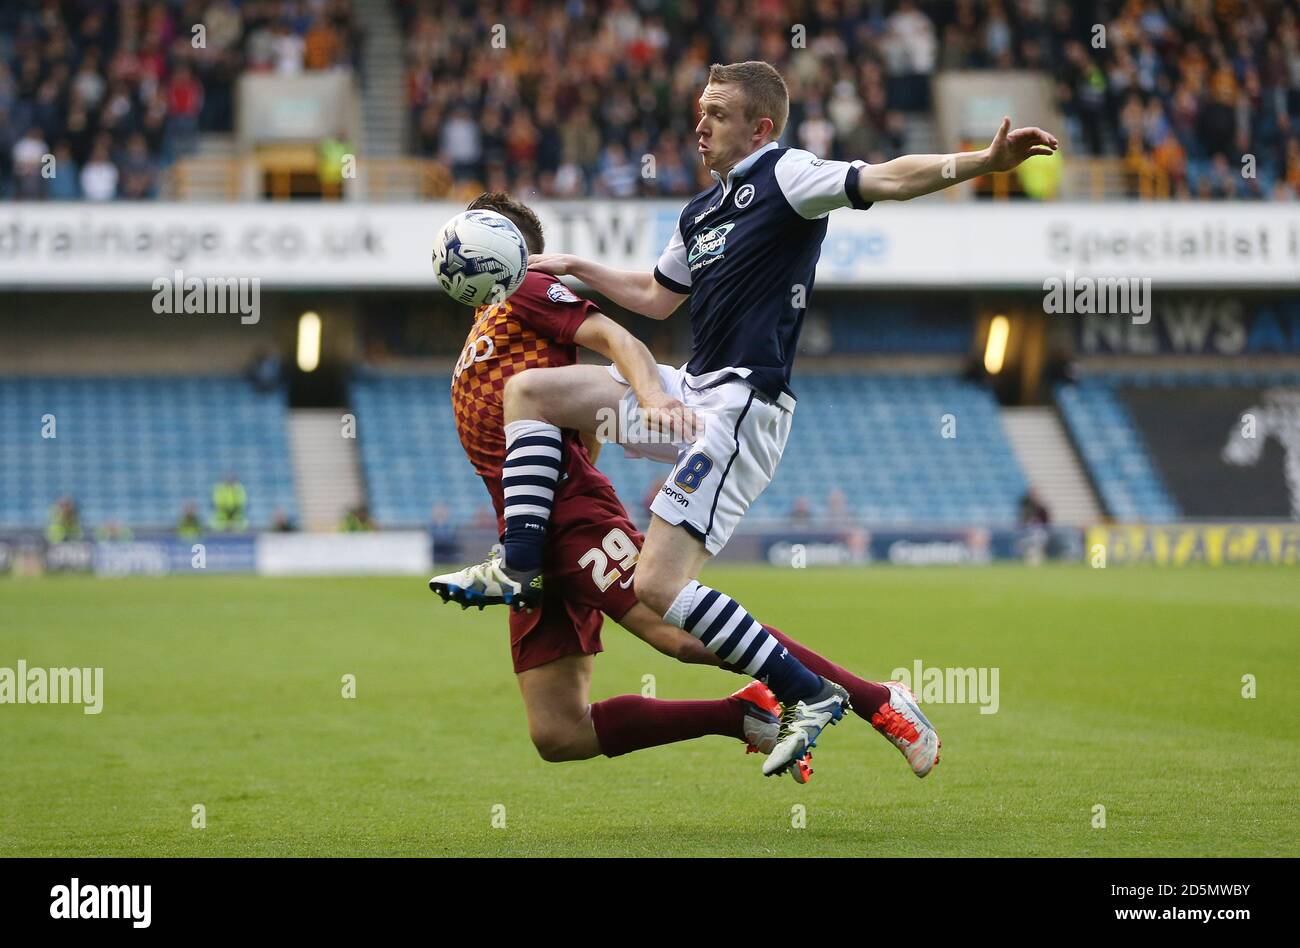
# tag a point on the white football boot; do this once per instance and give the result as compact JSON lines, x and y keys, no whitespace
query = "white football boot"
{"x":490,"y":583}
{"x":801,"y":725}
{"x":902,"y":724}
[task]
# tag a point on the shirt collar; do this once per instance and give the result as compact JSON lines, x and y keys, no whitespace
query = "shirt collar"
{"x":742,"y":166}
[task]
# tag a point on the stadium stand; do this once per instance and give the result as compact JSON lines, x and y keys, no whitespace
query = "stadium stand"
{"x":887,"y":327}
{"x":1182,"y":91}
{"x":1113,"y":451}
{"x":912,"y":474}
{"x":135,"y":450}
{"x":1200,"y":378}
{"x":410,"y":455}
{"x":880,"y":441}
{"x":115,"y":92}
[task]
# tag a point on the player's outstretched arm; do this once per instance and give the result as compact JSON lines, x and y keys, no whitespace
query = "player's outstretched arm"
{"x":638,"y":291}
{"x":634,"y":361}
{"x":914,"y":175}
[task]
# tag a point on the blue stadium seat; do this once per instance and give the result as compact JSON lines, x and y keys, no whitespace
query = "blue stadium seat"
{"x":1113,"y":449}
{"x":135,"y":450}
{"x":878,"y":439}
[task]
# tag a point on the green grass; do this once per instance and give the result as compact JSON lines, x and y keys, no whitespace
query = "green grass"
{"x":1118,"y":687}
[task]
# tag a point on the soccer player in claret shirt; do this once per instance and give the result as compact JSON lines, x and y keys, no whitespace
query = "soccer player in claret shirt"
{"x":744,"y":253}
{"x":592,"y":547}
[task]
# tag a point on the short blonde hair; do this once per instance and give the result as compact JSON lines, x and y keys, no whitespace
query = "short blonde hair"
{"x":766,"y":95}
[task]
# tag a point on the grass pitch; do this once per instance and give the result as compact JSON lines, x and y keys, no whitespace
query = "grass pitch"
{"x":1118,"y":687}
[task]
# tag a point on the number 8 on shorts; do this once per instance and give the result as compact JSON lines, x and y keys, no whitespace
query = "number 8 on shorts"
{"x":690,"y":474}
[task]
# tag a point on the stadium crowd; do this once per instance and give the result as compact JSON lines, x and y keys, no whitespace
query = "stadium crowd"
{"x":570,"y":99}
{"x":592,"y":97}
{"x":114,"y":90}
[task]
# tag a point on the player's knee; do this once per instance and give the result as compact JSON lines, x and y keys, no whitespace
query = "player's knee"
{"x":652,"y":590}
{"x":522,"y":388}
{"x":552,"y":744}
{"x":548,"y":748}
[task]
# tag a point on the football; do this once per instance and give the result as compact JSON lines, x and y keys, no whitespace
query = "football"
{"x":480,"y":257}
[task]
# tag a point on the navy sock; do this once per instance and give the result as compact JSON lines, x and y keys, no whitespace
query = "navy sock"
{"x":528,"y":478}
{"x":729,"y":632}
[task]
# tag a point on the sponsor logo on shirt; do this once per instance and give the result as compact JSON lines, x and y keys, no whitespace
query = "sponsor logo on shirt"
{"x":707,"y":211}
{"x":677,"y":496}
{"x":710,"y":242}
{"x":559,"y":293}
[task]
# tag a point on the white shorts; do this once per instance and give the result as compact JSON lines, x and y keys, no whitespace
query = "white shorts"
{"x":715,"y":479}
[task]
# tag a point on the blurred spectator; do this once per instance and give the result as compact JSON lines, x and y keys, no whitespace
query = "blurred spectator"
{"x":139,"y":173}
{"x":289,"y":50}
{"x":99,"y":175}
{"x":189,"y":526}
{"x":671,"y":174}
{"x":1035,"y":519}
{"x":445,"y":535}
{"x":460,"y":146}
{"x":224,"y":25}
{"x":114,"y":532}
{"x":65,"y":183}
{"x":801,"y":510}
{"x":230,"y":504}
{"x":837,"y":507}
{"x":357,"y":520}
{"x":28,"y":158}
{"x":65,"y":522}
{"x":322,"y":46}
{"x":618,"y":176}
{"x":1033,"y":512}
{"x":265,"y":370}
{"x":333,"y":151}
{"x":816,"y":133}
{"x":1041,"y":178}
{"x":184,"y":102}
{"x":281,"y":522}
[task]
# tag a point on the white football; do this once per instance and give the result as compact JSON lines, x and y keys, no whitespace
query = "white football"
{"x":480,"y":257}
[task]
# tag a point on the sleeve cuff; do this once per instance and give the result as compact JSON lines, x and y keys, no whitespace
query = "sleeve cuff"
{"x":852,"y":191}
{"x":671,"y":284}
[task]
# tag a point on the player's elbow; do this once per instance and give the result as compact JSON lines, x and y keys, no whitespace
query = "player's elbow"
{"x":887,"y":188}
{"x":656,"y":309}
{"x":660,"y":302}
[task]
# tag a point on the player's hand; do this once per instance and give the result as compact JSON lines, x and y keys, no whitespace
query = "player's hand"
{"x":1012,"y":146}
{"x":556,"y":264}
{"x":670,"y":417}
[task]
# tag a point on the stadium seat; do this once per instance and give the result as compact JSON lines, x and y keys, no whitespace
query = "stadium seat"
{"x":135,"y":450}
{"x":877,"y":439}
{"x":1112,"y":448}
